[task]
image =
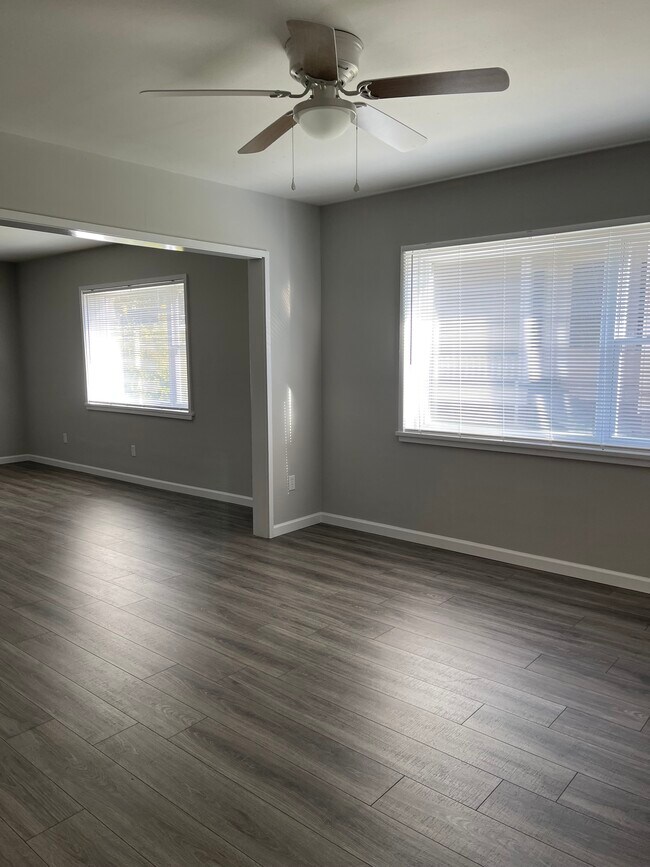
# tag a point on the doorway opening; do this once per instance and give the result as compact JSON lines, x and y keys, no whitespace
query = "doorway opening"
{"x":255,"y":267}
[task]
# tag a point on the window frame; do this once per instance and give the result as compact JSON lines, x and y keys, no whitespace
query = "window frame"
{"x":575,"y":451}
{"x":130,"y":409}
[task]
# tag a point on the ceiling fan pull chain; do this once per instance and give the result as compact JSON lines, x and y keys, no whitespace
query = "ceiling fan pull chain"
{"x":293,"y":161}
{"x":356,"y":187}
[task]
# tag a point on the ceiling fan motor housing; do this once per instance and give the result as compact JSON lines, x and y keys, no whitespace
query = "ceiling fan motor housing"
{"x":348,"y":50}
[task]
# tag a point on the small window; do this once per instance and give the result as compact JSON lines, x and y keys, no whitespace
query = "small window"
{"x":538,"y":340}
{"x":136,"y":348}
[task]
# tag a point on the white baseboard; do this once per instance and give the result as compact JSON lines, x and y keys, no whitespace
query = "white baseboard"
{"x":161,"y":484}
{"x":433,"y":540}
{"x":490,"y":552}
{"x":297,"y":524}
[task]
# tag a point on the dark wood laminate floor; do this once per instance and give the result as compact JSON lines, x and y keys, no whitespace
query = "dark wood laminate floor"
{"x":175,"y":692}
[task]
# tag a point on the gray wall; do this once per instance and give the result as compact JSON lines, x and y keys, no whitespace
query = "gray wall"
{"x":211,"y":451}
{"x":517,"y":502}
{"x":590,"y":513}
{"x":60,"y":182}
{"x":11,"y":395}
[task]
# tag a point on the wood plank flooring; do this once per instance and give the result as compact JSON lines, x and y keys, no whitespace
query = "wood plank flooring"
{"x":176,"y":692}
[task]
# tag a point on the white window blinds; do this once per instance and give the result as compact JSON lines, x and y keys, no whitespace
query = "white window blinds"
{"x":136,"y":346}
{"x":538,"y":339}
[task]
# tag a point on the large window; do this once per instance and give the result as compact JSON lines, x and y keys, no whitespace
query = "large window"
{"x":135,"y":339}
{"x":537,"y":340}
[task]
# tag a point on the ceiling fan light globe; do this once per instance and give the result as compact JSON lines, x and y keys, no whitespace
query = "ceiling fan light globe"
{"x":324,"y":123}
{"x":324,"y":119}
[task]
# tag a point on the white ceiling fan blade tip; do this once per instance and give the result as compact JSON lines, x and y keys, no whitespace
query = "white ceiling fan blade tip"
{"x":218,"y":92}
{"x":387,"y":129}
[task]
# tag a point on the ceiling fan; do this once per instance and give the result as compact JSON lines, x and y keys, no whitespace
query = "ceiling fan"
{"x":324,"y":60}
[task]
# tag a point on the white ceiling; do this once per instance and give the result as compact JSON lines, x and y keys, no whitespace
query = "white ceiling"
{"x":70,"y":73}
{"x":18,"y":245}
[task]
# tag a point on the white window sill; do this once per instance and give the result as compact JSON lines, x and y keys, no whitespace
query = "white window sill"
{"x":186,"y":415}
{"x":630,"y":457}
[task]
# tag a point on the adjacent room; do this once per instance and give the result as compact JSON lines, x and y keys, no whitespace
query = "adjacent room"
{"x":324,"y":434}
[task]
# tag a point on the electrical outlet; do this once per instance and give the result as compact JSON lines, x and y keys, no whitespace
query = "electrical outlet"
{"x":132,"y":450}
{"x":292,"y":483}
{"x":65,"y":437}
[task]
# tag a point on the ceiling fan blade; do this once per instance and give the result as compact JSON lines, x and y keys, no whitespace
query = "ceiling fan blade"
{"x":272,"y":93}
{"x":272,"y":133}
{"x":315,"y":48}
{"x":436,"y":83}
{"x":387,"y":129}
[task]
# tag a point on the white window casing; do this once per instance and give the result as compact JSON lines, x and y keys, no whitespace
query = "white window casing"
{"x":537,"y":343}
{"x":136,"y":347}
